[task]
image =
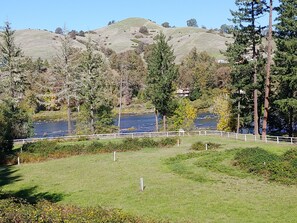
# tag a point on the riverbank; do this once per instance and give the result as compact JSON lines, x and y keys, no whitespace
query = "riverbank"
{"x":62,"y":114}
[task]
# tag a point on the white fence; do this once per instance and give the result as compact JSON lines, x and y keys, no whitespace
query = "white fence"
{"x":231,"y":135}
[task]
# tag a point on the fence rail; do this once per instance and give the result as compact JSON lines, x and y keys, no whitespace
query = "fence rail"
{"x":231,"y":135}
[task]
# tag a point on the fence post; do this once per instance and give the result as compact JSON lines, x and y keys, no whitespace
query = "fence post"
{"x":199,"y":132}
{"x":206,"y":147}
{"x":114,"y":156}
{"x":228,"y":135}
{"x":255,"y":138}
{"x":221,"y":133}
{"x":132,"y":135}
{"x":205,"y":132}
{"x":141,"y":184}
{"x":245,"y":138}
{"x":236,"y":136}
{"x":19,"y":162}
{"x":266,"y":139}
{"x":291,"y":140}
{"x":277,"y":139}
{"x":150,"y":135}
{"x":167,"y":134}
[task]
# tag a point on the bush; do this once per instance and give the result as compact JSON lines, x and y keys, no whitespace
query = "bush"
{"x":17,"y":210}
{"x":143,"y":30}
{"x":166,"y":142}
{"x":43,"y":150}
{"x":201,"y":146}
{"x":282,"y":169}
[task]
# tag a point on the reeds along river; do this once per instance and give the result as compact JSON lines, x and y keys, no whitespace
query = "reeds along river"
{"x":129,"y":123}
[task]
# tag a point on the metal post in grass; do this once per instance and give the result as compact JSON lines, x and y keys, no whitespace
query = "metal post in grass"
{"x":255,"y":138}
{"x":19,"y":161}
{"x":266,"y":140}
{"x":277,"y":139}
{"x":132,"y":135}
{"x":150,"y":135}
{"x":178,"y":142}
{"x":206,"y":146}
{"x":167,"y":134}
{"x":114,"y":156}
{"x":141,"y":184}
{"x":245,"y":138}
{"x":228,"y":134}
{"x":236,"y":135}
{"x":204,"y":132}
{"x":291,"y":140}
{"x":221,"y":133}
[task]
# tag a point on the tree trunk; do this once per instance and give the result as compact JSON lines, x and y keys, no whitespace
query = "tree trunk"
{"x":290,"y":123}
{"x":256,"y":117}
{"x":120,"y":107}
{"x":156,"y":118}
{"x":164,"y":123}
{"x":238,"y":117}
{"x":267,"y":83}
{"x":92,"y":119}
{"x":69,"y":116}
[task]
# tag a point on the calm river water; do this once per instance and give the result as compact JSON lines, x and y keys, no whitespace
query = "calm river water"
{"x":138,"y":123}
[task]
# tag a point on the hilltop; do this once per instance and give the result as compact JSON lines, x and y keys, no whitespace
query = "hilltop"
{"x":124,"y":35}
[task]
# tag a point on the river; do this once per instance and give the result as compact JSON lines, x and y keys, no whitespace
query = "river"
{"x":129,"y":123}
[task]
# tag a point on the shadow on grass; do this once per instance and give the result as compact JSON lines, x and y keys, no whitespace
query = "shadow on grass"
{"x":30,"y":194}
{"x":8,"y":176}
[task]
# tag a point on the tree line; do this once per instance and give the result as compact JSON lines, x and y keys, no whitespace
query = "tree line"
{"x":94,"y":80}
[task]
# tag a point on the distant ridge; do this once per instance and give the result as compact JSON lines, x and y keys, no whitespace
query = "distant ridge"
{"x":124,"y":35}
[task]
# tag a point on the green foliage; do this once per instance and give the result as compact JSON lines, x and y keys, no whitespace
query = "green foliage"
{"x":285,"y":71}
{"x":43,"y":150}
{"x":14,"y":123}
{"x":18,"y":210}
{"x":282,"y":169}
{"x":245,"y":55}
{"x":222,"y":107}
{"x":199,"y":146}
{"x":161,"y":73}
{"x":192,"y":23}
{"x":183,"y":116}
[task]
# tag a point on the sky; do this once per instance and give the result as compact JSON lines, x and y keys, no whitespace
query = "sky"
{"x":93,"y":14}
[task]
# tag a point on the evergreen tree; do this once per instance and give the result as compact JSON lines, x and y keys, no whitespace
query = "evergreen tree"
{"x":13,"y":75}
{"x":161,"y":73}
{"x":245,"y":56}
{"x":285,"y":71}
{"x":64,"y":68}
{"x":94,"y":89}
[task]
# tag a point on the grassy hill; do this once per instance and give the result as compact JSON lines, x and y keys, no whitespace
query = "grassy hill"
{"x":124,"y":35}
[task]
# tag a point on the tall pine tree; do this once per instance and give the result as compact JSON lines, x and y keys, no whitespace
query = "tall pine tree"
{"x":285,"y":71}
{"x":161,"y":73}
{"x":245,"y":57}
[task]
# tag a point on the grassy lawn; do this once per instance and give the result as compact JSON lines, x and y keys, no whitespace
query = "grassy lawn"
{"x":198,"y":189}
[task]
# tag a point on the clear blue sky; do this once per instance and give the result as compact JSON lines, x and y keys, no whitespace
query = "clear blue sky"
{"x":92,"y":14}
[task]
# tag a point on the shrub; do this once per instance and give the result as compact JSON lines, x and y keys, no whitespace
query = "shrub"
{"x":259,"y":161}
{"x":169,"y":141}
{"x":17,"y":210}
{"x":143,"y":30}
{"x":201,"y":146}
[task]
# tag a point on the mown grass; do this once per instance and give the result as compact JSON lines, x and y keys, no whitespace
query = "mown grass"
{"x":219,"y":193}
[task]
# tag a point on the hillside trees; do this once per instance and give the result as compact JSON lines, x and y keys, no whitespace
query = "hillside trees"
{"x":161,"y":73}
{"x":197,"y":73}
{"x":132,"y":71}
{"x":285,"y":71}
{"x":245,"y":56}
{"x":64,"y":68}
{"x":95,"y":90}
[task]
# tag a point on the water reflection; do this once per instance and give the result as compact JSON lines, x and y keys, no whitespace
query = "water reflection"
{"x":129,"y":123}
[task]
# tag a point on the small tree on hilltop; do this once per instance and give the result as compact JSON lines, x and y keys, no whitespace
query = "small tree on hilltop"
{"x":59,"y":30}
{"x":192,"y":23}
{"x":165,"y":24}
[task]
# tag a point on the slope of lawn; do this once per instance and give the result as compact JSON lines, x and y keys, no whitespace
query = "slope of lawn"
{"x":176,"y":191}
